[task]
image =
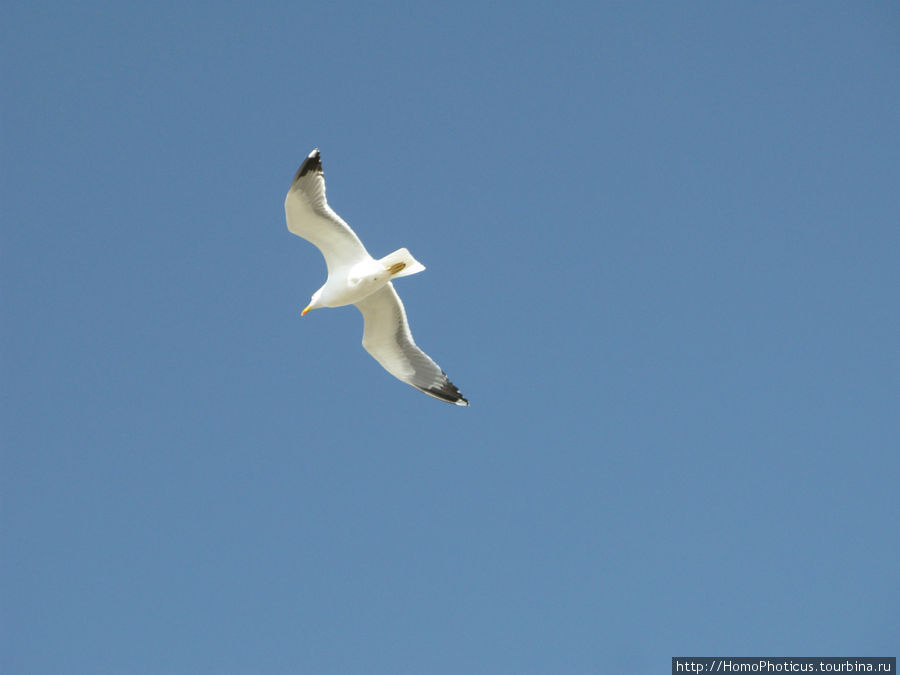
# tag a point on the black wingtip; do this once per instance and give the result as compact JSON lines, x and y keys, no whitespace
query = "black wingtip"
{"x":312,"y":163}
{"x":446,"y":392}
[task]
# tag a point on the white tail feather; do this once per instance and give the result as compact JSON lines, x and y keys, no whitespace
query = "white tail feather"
{"x":402,"y":256}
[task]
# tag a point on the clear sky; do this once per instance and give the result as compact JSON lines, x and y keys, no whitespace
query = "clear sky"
{"x":662,"y":245}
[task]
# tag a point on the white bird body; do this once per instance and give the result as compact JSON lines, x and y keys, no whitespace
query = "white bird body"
{"x":352,"y":282}
{"x":356,"y":278}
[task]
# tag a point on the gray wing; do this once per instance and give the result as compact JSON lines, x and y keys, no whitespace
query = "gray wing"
{"x":387,"y":338}
{"x":309,"y":216}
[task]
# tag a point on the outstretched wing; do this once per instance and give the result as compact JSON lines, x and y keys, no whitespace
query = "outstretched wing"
{"x":309,"y":216}
{"x":387,"y":338}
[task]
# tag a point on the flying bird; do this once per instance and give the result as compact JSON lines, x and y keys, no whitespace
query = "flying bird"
{"x":356,"y":278}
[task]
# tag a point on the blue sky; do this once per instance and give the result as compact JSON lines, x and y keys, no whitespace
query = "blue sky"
{"x":662,"y":247}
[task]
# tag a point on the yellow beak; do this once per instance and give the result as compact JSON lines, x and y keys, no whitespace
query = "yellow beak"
{"x":305,"y":310}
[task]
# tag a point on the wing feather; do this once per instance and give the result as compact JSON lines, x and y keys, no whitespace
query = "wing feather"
{"x":309,"y":216}
{"x":387,"y":338}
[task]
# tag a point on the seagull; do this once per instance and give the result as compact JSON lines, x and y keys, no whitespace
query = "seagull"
{"x":356,"y":278}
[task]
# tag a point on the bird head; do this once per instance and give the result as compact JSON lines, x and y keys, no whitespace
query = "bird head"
{"x":313,"y":302}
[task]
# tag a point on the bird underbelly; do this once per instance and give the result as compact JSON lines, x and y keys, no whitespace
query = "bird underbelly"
{"x":353,"y":287}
